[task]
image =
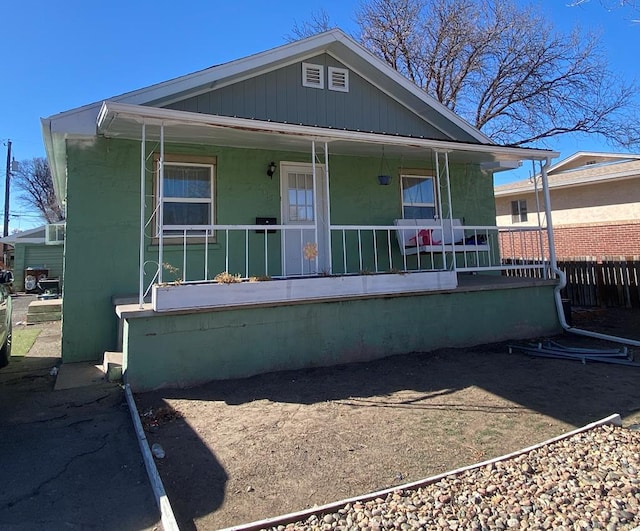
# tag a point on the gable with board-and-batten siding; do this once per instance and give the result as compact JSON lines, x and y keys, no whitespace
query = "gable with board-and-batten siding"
{"x":279,"y":95}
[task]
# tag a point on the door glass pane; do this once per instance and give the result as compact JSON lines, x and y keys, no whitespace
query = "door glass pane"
{"x":300,"y":197}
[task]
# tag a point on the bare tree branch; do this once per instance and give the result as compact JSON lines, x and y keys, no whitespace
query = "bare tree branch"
{"x":320,"y":21}
{"x":35,"y":185}
{"x":504,"y":68}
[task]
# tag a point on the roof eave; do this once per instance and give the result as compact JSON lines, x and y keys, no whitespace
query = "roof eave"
{"x":111,"y":111}
{"x":528,"y":187}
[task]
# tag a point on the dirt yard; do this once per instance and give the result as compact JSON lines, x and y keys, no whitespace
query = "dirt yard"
{"x":244,"y":450}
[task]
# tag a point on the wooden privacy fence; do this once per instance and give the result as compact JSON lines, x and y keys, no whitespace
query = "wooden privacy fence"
{"x":606,"y":282}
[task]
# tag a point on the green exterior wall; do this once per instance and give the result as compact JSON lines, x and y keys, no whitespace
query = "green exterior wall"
{"x":280,"y":96}
{"x":103,"y":219}
{"x":186,"y":349}
{"x":103,"y":196}
{"x":36,"y":255}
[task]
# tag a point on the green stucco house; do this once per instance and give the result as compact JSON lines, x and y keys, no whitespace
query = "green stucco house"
{"x":299,"y":207}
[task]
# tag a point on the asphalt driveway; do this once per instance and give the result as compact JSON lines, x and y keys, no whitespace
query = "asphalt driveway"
{"x":69,"y":459}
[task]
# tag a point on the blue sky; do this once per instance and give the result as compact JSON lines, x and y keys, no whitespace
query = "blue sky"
{"x":61,"y":55}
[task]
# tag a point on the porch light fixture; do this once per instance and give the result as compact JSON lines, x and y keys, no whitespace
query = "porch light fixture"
{"x":271,"y":169}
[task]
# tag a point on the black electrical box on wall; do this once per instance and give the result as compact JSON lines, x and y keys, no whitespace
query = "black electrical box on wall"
{"x":266,"y":221}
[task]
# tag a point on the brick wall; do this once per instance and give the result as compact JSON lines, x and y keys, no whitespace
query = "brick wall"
{"x":596,"y":240}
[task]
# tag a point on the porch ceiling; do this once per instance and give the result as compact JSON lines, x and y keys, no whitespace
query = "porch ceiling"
{"x":117,"y":120}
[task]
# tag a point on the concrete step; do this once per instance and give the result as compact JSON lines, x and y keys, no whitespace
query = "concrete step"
{"x":44,"y":311}
{"x":33,"y":318}
{"x":112,"y":366}
{"x":52,"y":305}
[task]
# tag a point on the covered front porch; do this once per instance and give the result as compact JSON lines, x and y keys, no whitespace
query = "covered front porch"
{"x":436,"y":221}
{"x":295,"y":256}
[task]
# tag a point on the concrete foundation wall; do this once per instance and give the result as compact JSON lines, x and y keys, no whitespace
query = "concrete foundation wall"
{"x":191,"y":348}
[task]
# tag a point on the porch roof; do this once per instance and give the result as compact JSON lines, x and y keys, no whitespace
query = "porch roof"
{"x":120,"y":120}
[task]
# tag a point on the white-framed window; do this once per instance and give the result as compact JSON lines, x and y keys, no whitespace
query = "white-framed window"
{"x":54,"y":233}
{"x":338,"y":79}
{"x":519,"y":211}
{"x":312,"y":75}
{"x":418,"y":197}
{"x":188,"y":202}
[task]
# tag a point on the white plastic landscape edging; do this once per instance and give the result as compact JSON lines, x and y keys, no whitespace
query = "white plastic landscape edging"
{"x":301,"y":515}
{"x":166,"y":512}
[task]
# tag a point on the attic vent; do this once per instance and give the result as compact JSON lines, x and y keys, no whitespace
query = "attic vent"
{"x":590,"y":162}
{"x":312,"y":75}
{"x":338,"y":79}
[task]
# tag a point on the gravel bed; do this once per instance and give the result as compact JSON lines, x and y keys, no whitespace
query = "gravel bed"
{"x":588,"y":481}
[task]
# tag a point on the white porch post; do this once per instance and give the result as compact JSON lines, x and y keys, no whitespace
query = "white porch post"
{"x":161,"y":205}
{"x":440,"y":213}
{"x":315,"y":202}
{"x":142,"y":217}
{"x":547,"y":210}
{"x":537,"y":195}
{"x":448,"y":179}
{"x":328,"y":202}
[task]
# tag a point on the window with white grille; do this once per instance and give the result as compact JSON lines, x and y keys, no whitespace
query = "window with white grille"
{"x":185,"y":196}
{"x":312,"y":75}
{"x":338,"y":79}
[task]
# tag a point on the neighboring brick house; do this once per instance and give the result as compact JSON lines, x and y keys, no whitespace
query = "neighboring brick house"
{"x":595,"y":206}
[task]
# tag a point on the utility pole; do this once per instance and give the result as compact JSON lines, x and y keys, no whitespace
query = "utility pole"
{"x":5,"y":233}
{"x":6,"y":191}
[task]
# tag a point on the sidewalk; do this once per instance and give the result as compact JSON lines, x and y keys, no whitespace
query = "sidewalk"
{"x":69,"y":459}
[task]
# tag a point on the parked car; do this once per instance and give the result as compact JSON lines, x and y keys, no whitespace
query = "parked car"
{"x":6,"y":278}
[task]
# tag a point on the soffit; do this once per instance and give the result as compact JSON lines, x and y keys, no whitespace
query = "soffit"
{"x":125,"y":121}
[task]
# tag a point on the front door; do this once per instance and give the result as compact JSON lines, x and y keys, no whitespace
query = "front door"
{"x":306,"y":250}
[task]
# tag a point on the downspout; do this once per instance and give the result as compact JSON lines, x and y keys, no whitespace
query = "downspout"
{"x":561,"y":275}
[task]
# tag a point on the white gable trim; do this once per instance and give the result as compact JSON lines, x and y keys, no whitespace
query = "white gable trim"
{"x":621,"y":157}
{"x":329,"y":42}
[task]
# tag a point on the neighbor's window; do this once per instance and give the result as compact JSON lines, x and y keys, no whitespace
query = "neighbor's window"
{"x":518,"y":211}
{"x":54,"y":233}
{"x":188,"y":198}
{"x":418,"y":197}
